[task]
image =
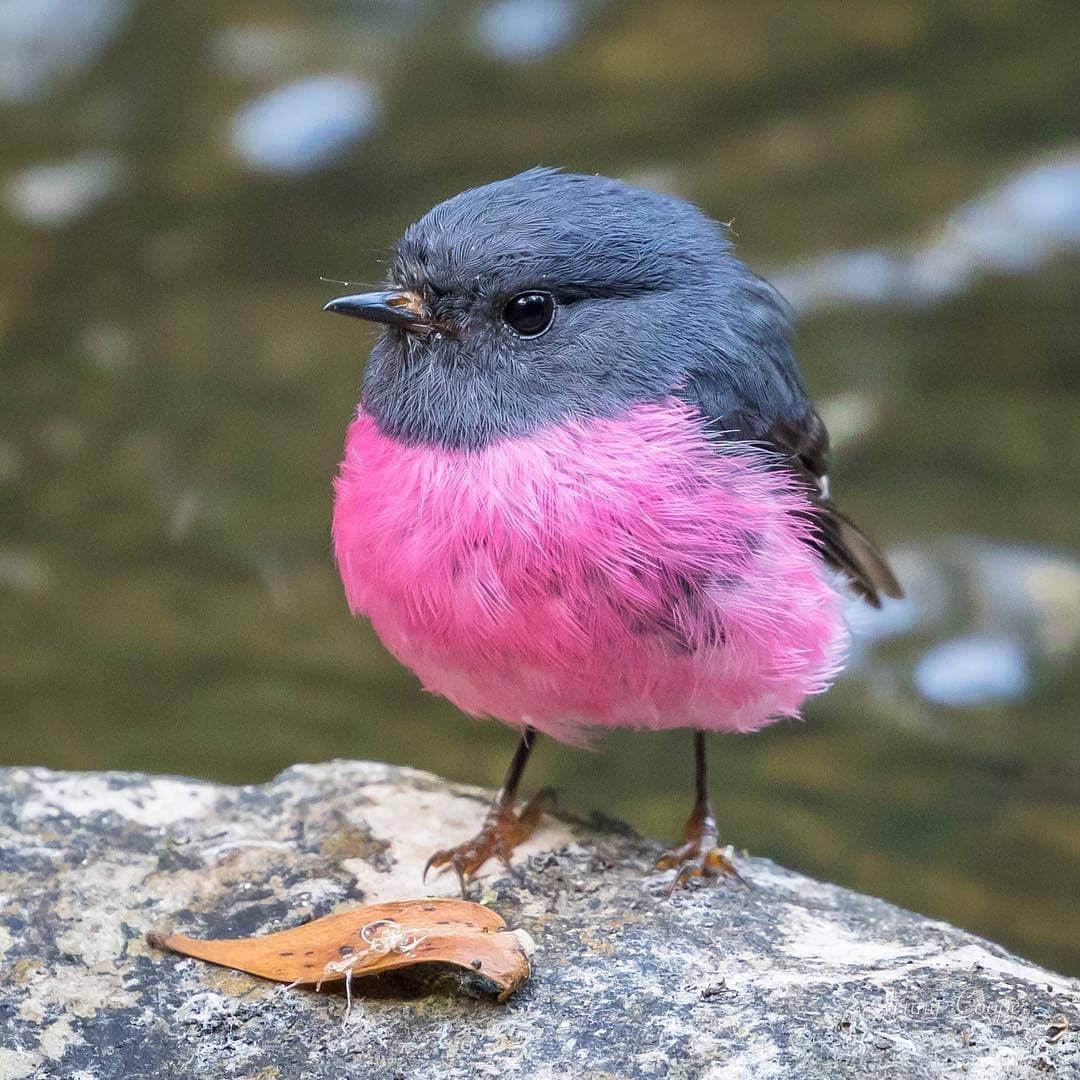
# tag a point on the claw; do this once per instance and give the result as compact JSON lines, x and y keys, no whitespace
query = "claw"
{"x":509,"y":867}
{"x":709,"y":864}
{"x":453,"y":857}
{"x":698,"y":856}
{"x":503,"y":829}
{"x":436,"y":860}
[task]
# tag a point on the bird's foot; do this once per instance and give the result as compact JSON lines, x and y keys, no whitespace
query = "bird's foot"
{"x":504,"y":828}
{"x":699,"y":855}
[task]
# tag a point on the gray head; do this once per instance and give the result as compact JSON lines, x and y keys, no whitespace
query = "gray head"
{"x":550,"y":295}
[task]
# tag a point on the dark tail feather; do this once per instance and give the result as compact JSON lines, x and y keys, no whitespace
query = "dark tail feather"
{"x":845,"y":546}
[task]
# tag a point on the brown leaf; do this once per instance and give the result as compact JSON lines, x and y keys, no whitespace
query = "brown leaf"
{"x":373,"y":938}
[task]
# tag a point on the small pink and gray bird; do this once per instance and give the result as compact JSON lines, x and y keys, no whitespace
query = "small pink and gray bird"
{"x":585,"y":487}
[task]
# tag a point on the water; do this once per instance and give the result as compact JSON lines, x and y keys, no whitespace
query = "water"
{"x":172,"y":187}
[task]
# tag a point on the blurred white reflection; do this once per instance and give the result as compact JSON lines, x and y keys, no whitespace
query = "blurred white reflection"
{"x":305,"y":125}
{"x":526,"y":29}
{"x":259,"y":51}
{"x":22,"y":571}
{"x":51,"y":196}
{"x":1015,"y":227}
{"x":970,"y":671}
{"x":44,"y":41}
{"x":981,"y":614}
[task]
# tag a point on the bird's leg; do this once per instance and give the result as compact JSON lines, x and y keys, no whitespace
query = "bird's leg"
{"x":504,"y":826}
{"x":698,"y":856}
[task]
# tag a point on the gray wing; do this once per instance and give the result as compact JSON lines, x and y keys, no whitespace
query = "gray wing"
{"x":752,"y":390}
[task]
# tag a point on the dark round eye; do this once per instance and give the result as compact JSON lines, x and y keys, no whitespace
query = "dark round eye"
{"x":529,"y":314}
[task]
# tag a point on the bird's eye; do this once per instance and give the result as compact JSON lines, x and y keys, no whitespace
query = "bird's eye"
{"x":529,"y":314}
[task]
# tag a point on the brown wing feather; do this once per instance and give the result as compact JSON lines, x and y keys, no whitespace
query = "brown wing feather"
{"x":749,"y":388}
{"x":805,"y":449}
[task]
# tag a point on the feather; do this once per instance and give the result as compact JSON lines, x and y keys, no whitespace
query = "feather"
{"x":763,"y":401}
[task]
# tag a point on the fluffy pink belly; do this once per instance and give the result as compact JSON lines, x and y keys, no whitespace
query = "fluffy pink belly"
{"x":603,"y":573}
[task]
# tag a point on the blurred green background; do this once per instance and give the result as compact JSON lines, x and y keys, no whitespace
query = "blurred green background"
{"x":174,"y":180}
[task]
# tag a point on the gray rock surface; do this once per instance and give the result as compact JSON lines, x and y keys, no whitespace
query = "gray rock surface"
{"x":787,"y":978}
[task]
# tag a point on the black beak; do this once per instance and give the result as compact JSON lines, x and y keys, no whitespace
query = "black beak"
{"x":395,"y":307}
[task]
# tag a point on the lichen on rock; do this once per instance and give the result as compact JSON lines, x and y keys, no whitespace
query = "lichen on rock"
{"x":789,"y":977}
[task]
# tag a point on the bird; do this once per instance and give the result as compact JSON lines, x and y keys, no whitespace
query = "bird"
{"x":585,"y":487}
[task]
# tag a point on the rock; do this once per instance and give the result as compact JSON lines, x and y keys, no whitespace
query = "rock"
{"x":786,"y":978}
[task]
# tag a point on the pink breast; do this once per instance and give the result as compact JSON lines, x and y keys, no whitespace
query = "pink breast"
{"x":603,"y":573}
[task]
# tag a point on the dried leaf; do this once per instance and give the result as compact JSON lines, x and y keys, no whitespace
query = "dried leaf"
{"x":373,"y":938}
